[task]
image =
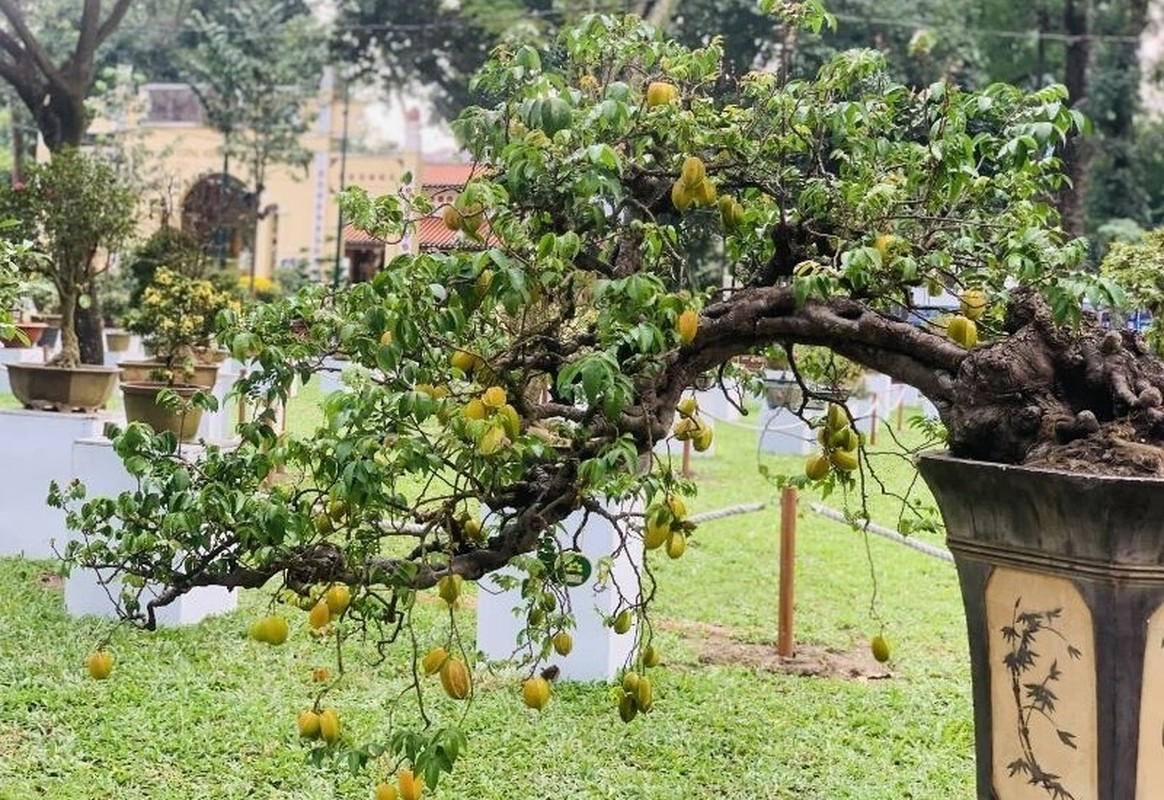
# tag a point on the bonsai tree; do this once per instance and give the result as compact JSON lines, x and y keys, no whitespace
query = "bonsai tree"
{"x":175,"y":317}
{"x":72,"y":208}
{"x":168,"y":247}
{"x":525,"y":378}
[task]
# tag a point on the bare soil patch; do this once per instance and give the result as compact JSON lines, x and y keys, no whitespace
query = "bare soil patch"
{"x":719,"y":645}
{"x":49,"y":580}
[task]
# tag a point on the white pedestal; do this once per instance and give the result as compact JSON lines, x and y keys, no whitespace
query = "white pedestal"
{"x":715,"y":404}
{"x":866,"y":414}
{"x":784,"y":433}
{"x":86,"y":591}
{"x":909,"y":396}
{"x":17,"y":355}
{"x":220,"y":425}
{"x":331,"y":376}
{"x":598,"y":653}
{"x":87,"y":595}
{"x":880,"y":387}
{"x":37,"y":448}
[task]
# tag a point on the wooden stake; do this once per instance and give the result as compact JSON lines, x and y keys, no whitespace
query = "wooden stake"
{"x":242,"y":403}
{"x":900,"y":414}
{"x":873,"y":422}
{"x":787,"y":570}
{"x":685,"y":471}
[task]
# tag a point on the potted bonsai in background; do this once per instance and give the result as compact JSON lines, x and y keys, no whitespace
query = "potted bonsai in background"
{"x":75,"y":210}
{"x":168,"y":247}
{"x":114,"y":287}
{"x":175,"y":317}
{"x":835,"y":198}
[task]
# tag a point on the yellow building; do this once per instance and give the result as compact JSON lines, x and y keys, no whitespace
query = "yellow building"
{"x":299,"y":214}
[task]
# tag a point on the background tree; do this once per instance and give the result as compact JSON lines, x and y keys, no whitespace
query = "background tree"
{"x":255,"y":67}
{"x":155,"y":37}
{"x":53,"y":86}
{"x":50,"y":62}
{"x":500,"y":388}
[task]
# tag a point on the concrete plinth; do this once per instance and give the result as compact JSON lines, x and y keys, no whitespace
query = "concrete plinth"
{"x":331,"y":376}
{"x":909,"y":395}
{"x":784,"y":433}
{"x":714,"y":403}
{"x":90,"y":592}
{"x":220,"y":425}
{"x":599,"y":653}
{"x":866,"y":413}
{"x":880,"y":388}
{"x":37,"y":448}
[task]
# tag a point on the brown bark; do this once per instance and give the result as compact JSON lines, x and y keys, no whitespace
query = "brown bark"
{"x":70,"y":353}
{"x":91,"y":328}
{"x":1076,"y":156}
{"x":55,"y":93}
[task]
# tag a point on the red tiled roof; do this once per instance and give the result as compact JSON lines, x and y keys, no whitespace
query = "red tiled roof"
{"x":433,"y":234}
{"x":358,"y":238}
{"x":436,"y":175}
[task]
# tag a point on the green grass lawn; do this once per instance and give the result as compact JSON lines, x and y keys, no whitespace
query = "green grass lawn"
{"x":203,"y":712}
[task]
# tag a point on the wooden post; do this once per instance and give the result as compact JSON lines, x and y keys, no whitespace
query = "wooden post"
{"x":900,"y":414}
{"x":685,"y":471}
{"x":787,"y":570}
{"x":873,"y":421}
{"x":242,"y":403}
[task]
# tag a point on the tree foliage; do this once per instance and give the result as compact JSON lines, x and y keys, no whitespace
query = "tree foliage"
{"x":504,"y":387}
{"x":69,"y":208}
{"x":254,"y":68}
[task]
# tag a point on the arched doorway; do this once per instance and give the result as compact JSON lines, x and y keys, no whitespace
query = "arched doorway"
{"x":220,"y":215}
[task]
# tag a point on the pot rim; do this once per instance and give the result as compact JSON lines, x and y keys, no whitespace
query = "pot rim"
{"x":945,"y":457}
{"x":93,"y":368}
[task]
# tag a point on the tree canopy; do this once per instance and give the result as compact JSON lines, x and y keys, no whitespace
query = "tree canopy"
{"x":527,"y":375}
{"x":53,"y":78}
{"x":254,"y":66}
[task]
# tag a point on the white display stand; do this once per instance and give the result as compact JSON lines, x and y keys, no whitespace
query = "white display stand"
{"x":88,"y":591}
{"x":37,"y":448}
{"x":598,"y":653}
{"x":714,"y":403}
{"x":220,"y":426}
{"x":784,"y":433}
{"x":880,"y":387}
{"x":331,"y":376}
{"x":134,"y":352}
{"x":864,"y":418}
{"x":17,"y":355}
{"x":909,"y":396}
